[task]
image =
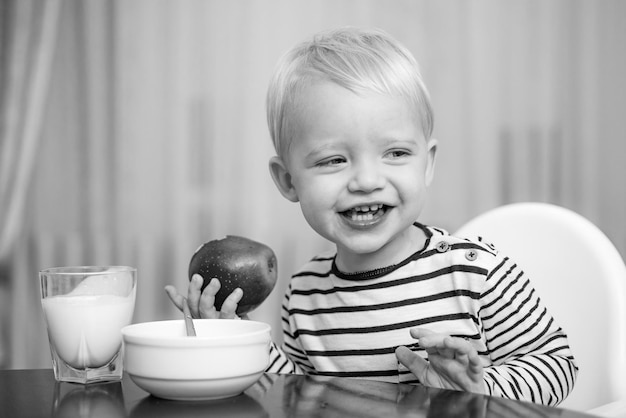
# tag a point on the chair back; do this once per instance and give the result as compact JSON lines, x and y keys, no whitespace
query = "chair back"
{"x":581,"y":277}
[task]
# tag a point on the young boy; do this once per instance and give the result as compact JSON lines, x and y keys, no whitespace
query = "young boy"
{"x":397,"y":301}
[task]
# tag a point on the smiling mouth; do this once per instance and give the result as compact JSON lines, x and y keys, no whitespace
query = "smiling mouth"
{"x":365,"y":213}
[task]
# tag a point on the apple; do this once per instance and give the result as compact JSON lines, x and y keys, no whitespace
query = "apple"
{"x":237,"y":262}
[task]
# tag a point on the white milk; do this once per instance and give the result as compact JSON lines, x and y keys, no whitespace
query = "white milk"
{"x":86,"y":329}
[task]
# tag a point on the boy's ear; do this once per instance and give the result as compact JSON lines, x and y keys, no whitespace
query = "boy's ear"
{"x":282,"y":178}
{"x":431,"y":147}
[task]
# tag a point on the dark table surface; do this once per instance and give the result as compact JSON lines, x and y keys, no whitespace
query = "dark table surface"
{"x":35,"y":393}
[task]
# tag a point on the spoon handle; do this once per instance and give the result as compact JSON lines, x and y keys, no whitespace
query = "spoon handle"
{"x":191,"y":331}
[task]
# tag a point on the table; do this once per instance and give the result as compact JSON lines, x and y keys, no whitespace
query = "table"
{"x":35,"y":393}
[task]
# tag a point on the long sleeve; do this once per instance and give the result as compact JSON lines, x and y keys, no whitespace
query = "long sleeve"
{"x":530,"y":353}
{"x":288,"y":358}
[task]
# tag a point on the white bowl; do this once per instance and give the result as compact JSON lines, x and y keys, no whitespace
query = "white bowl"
{"x":225,"y":358}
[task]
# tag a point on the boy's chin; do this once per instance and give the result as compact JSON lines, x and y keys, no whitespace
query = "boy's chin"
{"x":354,"y":258}
{"x":368,"y":252}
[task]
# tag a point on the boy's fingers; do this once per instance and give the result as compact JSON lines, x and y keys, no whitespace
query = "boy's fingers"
{"x":475,"y":366}
{"x":415,"y":363}
{"x":429,"y":340}
{"x":207,"y":299}
{"x":202,"y":304}
{"x":229,"y":307}
{"x":193,"y":295}
{"x":458,"y":343}
{"x":443,"y":345}
{"x":418,"y":333}
{"x":174,"y":296}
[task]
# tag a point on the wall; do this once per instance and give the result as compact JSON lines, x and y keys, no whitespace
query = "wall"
{"x":155,"y":138}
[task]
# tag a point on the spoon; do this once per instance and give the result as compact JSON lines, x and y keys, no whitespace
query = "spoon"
{"x":191,"y":331}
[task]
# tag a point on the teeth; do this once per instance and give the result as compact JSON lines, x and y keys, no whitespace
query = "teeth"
{"x":365,"y":213}
{"x":365,"y":217}
{"x":370,"y":208}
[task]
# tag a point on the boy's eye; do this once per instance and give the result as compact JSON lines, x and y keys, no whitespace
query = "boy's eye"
{"x":333,"y":161}
{"x":398,"y":153}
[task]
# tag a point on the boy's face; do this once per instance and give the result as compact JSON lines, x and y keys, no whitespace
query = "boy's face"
{"x":359,"y":165}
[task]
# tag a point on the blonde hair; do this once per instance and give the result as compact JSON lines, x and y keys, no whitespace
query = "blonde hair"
{"x":357,"y":59}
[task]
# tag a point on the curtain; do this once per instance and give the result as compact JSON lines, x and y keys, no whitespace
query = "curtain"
{"x":27,"y":47}
{"x":154,"y":140}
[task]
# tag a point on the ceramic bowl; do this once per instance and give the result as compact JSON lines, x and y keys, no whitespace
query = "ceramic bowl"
{"x":224,"y":359}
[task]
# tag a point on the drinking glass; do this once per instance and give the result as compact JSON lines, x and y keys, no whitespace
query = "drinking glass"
{"x":85,"y":309}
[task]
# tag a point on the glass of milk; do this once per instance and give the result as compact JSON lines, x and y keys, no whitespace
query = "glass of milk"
{"x":85,"y":309}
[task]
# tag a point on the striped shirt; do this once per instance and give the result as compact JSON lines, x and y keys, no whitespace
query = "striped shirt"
{"x":349,"y":325}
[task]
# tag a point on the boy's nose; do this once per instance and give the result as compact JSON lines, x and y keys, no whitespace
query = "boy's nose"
{"x":366,"y":177}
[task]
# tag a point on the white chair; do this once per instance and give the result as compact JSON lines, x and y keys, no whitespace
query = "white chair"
{"x":581,"y":278}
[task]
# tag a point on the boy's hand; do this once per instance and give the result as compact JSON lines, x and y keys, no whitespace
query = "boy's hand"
{"x":453,"y":362}
{"x":201,"y":304}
